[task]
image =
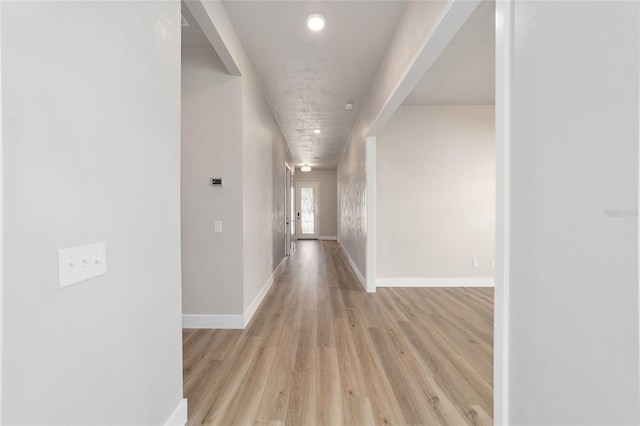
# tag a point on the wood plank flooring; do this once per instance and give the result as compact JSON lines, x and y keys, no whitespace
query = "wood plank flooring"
{"x":321,"y":351}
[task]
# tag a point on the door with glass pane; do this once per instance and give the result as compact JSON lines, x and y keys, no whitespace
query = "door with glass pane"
{"x":307,"y":210}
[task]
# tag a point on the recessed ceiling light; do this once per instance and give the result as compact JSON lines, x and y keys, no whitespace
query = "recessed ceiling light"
{"x":315,"y":22}
{"x":305,"y":169}
{"x":348,"y":106}
{"x":317,"y":131}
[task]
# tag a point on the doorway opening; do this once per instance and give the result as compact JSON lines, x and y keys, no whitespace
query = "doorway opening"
{"x":442,"y":130}
{"x":307,"y":211}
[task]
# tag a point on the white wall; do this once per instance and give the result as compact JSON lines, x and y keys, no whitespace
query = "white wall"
{"x":211,"y":147}
{"x":574,"y":156}
{"x":264,"y":154}
{"x":436,"y":192}
{"x":416,"y":24}
{"x":328,"y":199}
{"x":91,"y":152}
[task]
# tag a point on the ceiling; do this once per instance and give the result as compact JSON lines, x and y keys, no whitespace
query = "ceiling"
{"x":327,"y":69}
{"x":464,"y":73}
{"x":308,"y":77}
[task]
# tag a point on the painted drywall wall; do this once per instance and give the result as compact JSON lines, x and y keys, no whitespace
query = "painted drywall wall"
{"x":328,"y":199}
{"x":91,"y":153}
{"x":264,"y":154}
{"x":211,"y":147}
{"x":436,"y":192}
{"x":415,"y":26}
{"x":573,"y":332}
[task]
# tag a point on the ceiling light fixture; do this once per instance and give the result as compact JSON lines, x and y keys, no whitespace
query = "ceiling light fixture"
{"x":316,"y":22}
{"x":317,"y":131}
{"x":305,"y":169}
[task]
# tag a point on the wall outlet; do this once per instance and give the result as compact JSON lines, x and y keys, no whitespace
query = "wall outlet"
{"x":475,"y":263}
{"x":81,"y":263}
{"x":217,"y":226}
{"x":493,"y":263}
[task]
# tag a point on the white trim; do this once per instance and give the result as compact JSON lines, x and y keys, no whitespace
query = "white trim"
{"x":355,"y":269}
{"x":328,"y":238}
{"x":436,"y":282}
{"x":213,"y":321}
{"x":1,"y":232}
{"x":504,"y":69}
{"x":238,"y":322}
{"x":179,"y":416}
{"x":253,"y":307}
{"x":339,"y":205}
{"x":288,"y":178}
{"x":370,"y":171}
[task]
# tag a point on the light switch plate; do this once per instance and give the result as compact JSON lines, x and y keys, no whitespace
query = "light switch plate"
{"x":475,"y":263}
{"x":217,"y":226}
{"x":78,"y":264}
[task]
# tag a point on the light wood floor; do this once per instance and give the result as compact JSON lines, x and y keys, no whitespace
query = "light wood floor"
{"x":321,"y":351}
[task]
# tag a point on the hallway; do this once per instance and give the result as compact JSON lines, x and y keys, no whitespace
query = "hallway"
{"x":321,"y":351}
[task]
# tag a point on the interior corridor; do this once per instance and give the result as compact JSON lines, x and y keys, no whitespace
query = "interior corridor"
{"x":321,"y":351}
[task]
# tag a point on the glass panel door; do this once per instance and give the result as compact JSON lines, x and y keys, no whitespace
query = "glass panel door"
{"x":307,"y":215}
{"x":308,"y":211}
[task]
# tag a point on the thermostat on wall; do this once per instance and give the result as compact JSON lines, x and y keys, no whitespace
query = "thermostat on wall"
{"x":216,"y":181}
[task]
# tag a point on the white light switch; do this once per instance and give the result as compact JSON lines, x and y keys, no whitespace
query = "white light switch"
{"x":81,"y":263}
{"x":217,"y":226}
{"x":493,"y":263}
{"x":475,"y":263}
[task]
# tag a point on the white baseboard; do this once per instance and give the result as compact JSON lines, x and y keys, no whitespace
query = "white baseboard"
{"x":328,"y":238}
{"x":232,"y":321}
{"x":435,"y":282}
{"x":253,"y":307}
{"x":179,"y":416}
{"x":213,"y":321}
{"x":355,"y":269}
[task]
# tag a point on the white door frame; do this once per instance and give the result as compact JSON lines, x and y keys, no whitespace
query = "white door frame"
{"x":288,"y":200}
{"x":316,"y":225}
{"x":457,"y":14}
{"x":504,"y":69}
{"x":1,"y":229}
